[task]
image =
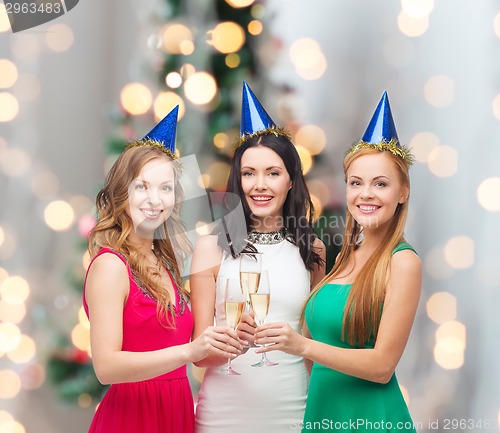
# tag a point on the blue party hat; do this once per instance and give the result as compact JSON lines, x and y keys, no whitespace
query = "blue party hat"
{"x":381,"y":133}
{"x":254,"y":118}
{"x":164,"y":131}
{"x":381,"y":127}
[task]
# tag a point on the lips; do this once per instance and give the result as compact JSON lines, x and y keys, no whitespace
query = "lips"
{"x":368,"y":208}
{"x":151,"y":213}
{"x":261,"y":199}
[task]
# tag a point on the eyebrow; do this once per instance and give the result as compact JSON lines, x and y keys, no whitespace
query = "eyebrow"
{"x":375,"y":178}
{"x":268,"y":168}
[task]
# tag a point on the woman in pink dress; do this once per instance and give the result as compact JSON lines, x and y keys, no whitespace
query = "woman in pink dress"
{"x":141,"y":324}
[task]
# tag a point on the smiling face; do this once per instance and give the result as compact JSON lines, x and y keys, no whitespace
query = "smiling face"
{"x":151,"y":196}
{"x":265,"y":183}
{"x":374,"y":190}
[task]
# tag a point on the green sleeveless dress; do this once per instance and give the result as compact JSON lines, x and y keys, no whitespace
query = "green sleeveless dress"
{"x":340,"y":402}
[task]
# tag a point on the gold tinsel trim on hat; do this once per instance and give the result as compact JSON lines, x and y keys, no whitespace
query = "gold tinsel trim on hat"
{"x":390,"y":146}
{"x":278,"y":132}
{"x":153,"y":143}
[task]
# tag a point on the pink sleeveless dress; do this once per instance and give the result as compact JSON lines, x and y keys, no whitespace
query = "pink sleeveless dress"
{"x":163,"y":404}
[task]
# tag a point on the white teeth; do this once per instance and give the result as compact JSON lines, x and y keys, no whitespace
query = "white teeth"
{"x":151,"y":213}
{"x":368,"y":208}
{"x":261,"y":198}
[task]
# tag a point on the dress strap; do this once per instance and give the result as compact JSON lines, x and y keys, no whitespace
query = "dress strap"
{"x":403,"y":246}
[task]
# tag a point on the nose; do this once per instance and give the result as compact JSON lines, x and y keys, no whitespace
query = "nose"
{"x":153,"y":196}
{"x":260,"y":183}
{"x":367,"y":192}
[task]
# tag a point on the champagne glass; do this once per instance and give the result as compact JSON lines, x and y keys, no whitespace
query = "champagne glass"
{"x":234,"y":305}
{"x":250,"y":267}
{"x":260,"y":305}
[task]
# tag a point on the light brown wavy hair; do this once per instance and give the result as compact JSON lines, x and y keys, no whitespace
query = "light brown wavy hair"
{"x":170,"y":242}
{"x":364,"y":304}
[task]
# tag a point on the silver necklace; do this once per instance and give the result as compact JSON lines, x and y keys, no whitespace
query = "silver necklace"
{"x":267,"y":238}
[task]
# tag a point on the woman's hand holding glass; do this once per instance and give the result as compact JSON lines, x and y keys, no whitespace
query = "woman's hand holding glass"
{"x":280,"y":336}
{"x":216,"y":340}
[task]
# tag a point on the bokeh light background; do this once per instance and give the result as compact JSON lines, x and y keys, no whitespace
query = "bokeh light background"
{"x":439,"y":62}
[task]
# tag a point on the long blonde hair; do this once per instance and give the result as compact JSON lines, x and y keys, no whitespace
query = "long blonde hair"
{"x":366,"y":297}
{"x":170,"y":245}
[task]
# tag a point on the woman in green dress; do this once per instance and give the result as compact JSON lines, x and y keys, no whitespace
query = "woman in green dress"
{"x":358,"y":319}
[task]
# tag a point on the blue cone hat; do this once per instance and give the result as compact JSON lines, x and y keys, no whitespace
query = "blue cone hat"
{"x":164,"y":131}
{"x":254,"y":119}
{"x":381,"y":134}
{"x":253,"y":116}
{"x":381,"y":127}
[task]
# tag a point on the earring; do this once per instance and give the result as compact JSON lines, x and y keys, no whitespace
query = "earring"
{"x":359,"y":238}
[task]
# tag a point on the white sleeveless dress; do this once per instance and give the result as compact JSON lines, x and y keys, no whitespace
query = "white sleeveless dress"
{"x":262,"y":399}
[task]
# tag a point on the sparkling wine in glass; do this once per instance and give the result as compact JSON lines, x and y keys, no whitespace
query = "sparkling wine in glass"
{"x":260,"y":305}
{"x":250,"y":267}
{"x":234,"y":305}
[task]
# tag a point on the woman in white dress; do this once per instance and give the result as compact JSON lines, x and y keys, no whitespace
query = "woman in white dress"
{"x":266,"y":175}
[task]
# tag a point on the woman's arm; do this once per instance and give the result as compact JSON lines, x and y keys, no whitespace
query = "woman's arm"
{"x":207,"y":258}
{"x":107,"y":288}
{"x":377,"y":364}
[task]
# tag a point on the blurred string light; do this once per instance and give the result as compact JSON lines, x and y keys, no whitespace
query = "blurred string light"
{"x":136,"y":98}
{"x":27,"y":47}
{"x":164,"y":102}
{"x":59,"y":215}
{"x":442,"y":307}
{"x":14,"y":290}
{"x":217,"y":174}
{"x":187,"y":70}
{"x":496,"y":106}
{"x":320,"y":189}
{"x":239,"y":3}
{"x":173,"y":80}
{"x":177,"y":39}
{"x":437,"y":266}
{"x":412,"y":26}
{"x":318,"y":206}
{"x":450,"y":345}
{"x":305,"y":158}
{"x":443,"y":161}
{"x":200,"y":88}
{"x":422,"y":144}
{"x":4,"y":19}
{"x":439,"y":91}
{"x":59,"y":37}
{"x":80,"y":335}
{"x":15,"y":162}
{"x":232,"y":60}
{"x":10,"y":384}
{"x":308,"y":59}
{"x":413,"y":21}
{"x":312,"y":137}
{"x":255,"y":27}
{"x":9,"y":107}
{"x":417,"y":8}
{"x":12,"y":427}
{"x":227,"y":37}
{"x":9,"y":73}
{"x":488,"y":194}
{"x":459,"y":252}
{"x":496,"y":24}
